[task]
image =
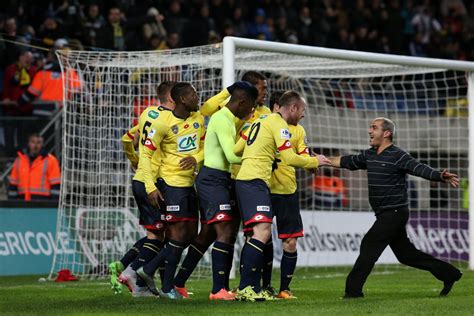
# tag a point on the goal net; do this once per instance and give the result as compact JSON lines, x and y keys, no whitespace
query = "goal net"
{"x":429,"y":106}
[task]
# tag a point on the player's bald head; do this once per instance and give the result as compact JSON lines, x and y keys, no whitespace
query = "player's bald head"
{"x":290,"y":98}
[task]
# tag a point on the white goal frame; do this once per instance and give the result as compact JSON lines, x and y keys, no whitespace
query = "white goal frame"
{"x":228,"y":77}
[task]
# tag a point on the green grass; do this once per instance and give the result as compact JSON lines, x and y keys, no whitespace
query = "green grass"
{"x":402,"y":292}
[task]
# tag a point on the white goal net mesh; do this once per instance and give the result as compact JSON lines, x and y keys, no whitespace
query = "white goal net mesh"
{"x":97,"y":213}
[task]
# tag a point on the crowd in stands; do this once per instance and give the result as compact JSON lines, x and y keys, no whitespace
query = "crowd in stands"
{"x":443,"y":29}
{"x":31,"y":31}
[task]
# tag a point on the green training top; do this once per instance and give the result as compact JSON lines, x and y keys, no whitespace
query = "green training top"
{"x":220,"y":140}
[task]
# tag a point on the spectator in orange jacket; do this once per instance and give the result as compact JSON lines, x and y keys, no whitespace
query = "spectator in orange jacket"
{"x":47,"y":85}
{"x":35,"y":174}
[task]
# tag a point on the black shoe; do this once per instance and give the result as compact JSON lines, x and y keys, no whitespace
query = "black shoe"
{"x":448,"y":285}
{"x":348,"y":296}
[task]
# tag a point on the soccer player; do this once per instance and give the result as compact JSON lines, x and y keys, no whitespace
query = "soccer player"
{"x":130,"y":141}
{"x":387,"y":167}
{"x":214,"y":184}
{"x":207,"y":235}
{"x":266,"y":135}
{"x":285,"y":206}
{"x":179,"y":134}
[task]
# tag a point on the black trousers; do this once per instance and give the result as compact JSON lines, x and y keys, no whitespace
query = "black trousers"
{"x":389,"y":230}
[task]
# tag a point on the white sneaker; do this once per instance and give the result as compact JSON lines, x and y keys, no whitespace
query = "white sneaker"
{"x":129,"y":278}
{"x":142,"y":291}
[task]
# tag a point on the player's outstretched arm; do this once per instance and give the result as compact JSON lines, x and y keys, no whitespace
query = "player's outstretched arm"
{"x":128,"y":140}
{"x":215,"y":103}
{"x":450,"y":178}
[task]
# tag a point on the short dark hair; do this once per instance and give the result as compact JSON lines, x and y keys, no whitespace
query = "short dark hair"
{"x":249,"y":90}
{"x":274,"y":98}
{"x":179,"y":89}
{"x":387,"y":125}
{"x":253,"y":77}
{"x":288,"y":98}
{"x":163,"y":89}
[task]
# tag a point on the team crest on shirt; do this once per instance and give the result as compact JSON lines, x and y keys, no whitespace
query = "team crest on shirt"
{"x":174,"y":129}
{"x":188,"y":142}
{"x":285,"y":133}
{"x":196,"y":125}
{"x":153,"y":114}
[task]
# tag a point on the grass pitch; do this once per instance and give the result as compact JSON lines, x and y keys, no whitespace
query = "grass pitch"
{"x":400,"y":292}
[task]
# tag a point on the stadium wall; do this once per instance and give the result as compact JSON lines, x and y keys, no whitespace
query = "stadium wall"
{"x":331,"y":238}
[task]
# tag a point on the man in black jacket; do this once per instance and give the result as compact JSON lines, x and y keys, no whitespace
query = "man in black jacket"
{"x":387,"y":167}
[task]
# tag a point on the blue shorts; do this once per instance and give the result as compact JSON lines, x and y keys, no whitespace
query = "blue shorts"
{"x":180,"y":202}
{"x":150,"y":217}
{"x":216,"y":199}
{"x":253,"y":198}
{"x":286,"y":208}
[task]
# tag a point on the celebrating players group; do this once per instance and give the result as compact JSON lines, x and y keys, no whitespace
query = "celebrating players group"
{"x":239,"y":170}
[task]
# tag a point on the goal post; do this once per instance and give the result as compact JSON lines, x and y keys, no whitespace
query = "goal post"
{"x":230,"y":44}
{"x":429,"y":100}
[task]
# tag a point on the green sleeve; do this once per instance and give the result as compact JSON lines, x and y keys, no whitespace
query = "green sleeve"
{"x":226,"y":140}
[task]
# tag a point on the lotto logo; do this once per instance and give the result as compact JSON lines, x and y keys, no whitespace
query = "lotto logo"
{"x":148,"y":142}
{"x":172,"y":208}
{"x":220,"y":216}
{"x":224,"y":207}
{"x":263,"y":208}
{"x":169,"y":217}
{"x":258,"y":217}
{"x":159,"y":225}
{"x":188,"y":142}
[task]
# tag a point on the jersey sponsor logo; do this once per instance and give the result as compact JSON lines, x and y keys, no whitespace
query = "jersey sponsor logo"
{"x":285,"y":133}
{"x":196,"y":125}
{"x":263,"y":208}
{"x":224,"y":207}
{"x":188,"y":142}
{"x":174,"y":129}
{"x":153,"y":114}
{"x":172,"y":208}
{"x":263,"y":116}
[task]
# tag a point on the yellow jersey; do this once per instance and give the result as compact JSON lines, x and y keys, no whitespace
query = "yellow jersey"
{"x":259,"y":146}
{"x":283,"y":180}
{"x":242,"y":127}
{"x":147,"y":118}
{"x":175,"y":138}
